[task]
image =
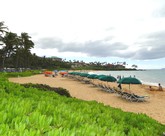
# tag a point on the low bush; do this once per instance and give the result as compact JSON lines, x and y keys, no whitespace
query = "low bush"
{"x":20,"y":74}
{"x":44,"y":87}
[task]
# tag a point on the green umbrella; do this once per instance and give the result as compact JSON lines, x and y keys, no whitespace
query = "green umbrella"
{"x":129,"y":80}
{"x":84,"y":74}
{"x":108,"y":78}
{"x":72,"y":73}
{"x":99,"y":76}
{"x":77,"y":73}
{"x":91,"y":76}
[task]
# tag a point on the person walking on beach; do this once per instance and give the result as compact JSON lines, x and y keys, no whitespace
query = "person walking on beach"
{"x":120,"y":86}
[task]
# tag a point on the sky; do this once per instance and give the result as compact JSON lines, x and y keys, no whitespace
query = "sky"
{"x":131,"y":31}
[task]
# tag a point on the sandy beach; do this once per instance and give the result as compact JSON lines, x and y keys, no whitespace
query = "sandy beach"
{"x":153,"y":107}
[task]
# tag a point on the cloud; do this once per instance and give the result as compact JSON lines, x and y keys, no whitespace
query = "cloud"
{"x":153,"y":47}
{"x":159,"y":13}
{"x":97,"y":48}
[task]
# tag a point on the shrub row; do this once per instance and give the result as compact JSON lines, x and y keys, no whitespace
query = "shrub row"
{"x":20,"y":74}
{"x":45,"y":87}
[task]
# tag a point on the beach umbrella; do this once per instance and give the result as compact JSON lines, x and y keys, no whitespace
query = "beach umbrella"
{"x":76,"y":73}
{"x":99,"y":76}
{"x":108,"y":78}
{"x":129,"y":80}
{"x":48,"y":73}
{"x":63,"y":72}
{"x":84,"y":74}
{"x":91,"y":76}
{"x":71,"y":73}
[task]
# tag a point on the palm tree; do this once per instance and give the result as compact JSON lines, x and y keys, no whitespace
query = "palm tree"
{"x":25,"y":46}
{"x":10,"y":41}
{"x":26,"y":42}
{"x":134,"y":66}
{"x":2,"y":27}
{"x":2,"y":30}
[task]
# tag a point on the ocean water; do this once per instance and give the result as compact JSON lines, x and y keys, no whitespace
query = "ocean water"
{"x":149,"y":77}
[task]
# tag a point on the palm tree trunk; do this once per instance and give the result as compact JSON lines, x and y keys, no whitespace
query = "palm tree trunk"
{"x":3,"y":62}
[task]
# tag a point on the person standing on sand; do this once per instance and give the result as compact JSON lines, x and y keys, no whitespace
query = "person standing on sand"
{"x":119,"y":86}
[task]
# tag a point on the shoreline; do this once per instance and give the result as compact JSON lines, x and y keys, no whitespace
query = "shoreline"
{"x":144,"y":81}
{"x":152,"y":84}
{"x":153,"y":107}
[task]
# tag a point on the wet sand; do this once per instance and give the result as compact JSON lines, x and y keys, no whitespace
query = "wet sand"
{"x":153,"y":107}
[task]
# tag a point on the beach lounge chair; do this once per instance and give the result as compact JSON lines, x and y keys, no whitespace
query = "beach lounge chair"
{"x":119,"y":92}
{"x":109,"y":89}
{"x":105,"y":88}
{"x":86,"y":81}
{"x":99,"y":85}
{"x":138,"y":98}
{"x":133,"y":97}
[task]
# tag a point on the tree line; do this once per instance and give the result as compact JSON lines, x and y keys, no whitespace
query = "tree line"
{"x":15,"y":49}
{"x":15,"y":52}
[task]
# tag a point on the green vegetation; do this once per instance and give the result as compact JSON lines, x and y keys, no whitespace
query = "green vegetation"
{"x":20,"y":74}
{"x":44,"y":87}
{"x":33,"y":112}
